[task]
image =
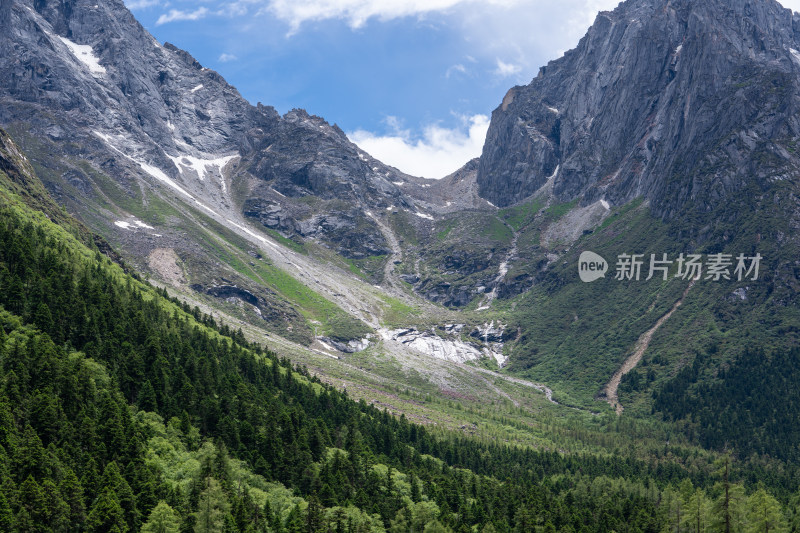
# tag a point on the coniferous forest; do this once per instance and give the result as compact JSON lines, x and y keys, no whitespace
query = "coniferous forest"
{"x":122,"y":409}
{"x":751,"y":405}
{"x":592,"y":326}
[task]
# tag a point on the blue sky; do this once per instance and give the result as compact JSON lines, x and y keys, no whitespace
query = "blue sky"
{"x":413,"y":82}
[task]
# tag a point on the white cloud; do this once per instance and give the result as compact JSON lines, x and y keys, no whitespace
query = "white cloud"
{"x":458,"y":68}
{"x":225,"y":58}
{"x":506,"y":69}
{"x":439,"y":152}
{"x":176,"y":14}
{"x":357,"y":12}
{"x":141,"y":4}
{"x":235,"y":9}
{"x":525,"y":33}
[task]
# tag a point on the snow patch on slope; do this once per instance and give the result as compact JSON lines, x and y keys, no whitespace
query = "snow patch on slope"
{"x":155,"y":172}
{"x":85,"y":54}
{"x":201,"y":166}
{"x":132,"y":225}
{"x":455,"y":351}
{"x":451,"y":349}
{"x":159,"y":175}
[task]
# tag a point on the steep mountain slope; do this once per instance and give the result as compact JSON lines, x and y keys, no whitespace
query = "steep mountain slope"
{"x":163,"y":157}
{"x":278,"y":225}
{"x":674,"y":101}
{"x":671,"y":128}
{"x":278,"y":222}
{"x":123,"y":410}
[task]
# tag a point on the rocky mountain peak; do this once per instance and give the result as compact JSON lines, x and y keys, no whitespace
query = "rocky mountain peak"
{"x":86,"y":74}
{"x":99,"y":70}
{"x":671,"y":100}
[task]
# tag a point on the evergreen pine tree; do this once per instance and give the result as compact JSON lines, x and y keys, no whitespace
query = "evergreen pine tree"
{"x":212,"y":508}
{"x":794,"y":513}
{"x":147,"y":398}
{"x":738,"y":508}
{"x":72,"y":492}
{"x":765,"y":514}
{"x":697,"y":511}
{"x":416,"y":495}
{"x":294,"y":522}
{"x":162,"y":519}
{"x":56,"y":512}
{"x":722,"y":508}
{"x":7,"y":521}
{"x":314,"y":515}
{"x":106,"y":514}
{"x":113,"y":480}
{"x":43,"y":318}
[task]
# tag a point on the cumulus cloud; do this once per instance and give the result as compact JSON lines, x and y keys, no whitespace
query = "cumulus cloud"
{"x":522,"y":32}
{"x":133,"y":5}
{"x":225,"y":58}
{"x":437,"y":153}
{"x":177,"y":14}
{"x":357,"y":12}
{"x":506,"y":69}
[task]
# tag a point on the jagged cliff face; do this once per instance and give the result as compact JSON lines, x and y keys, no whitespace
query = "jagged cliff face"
{"x":678,"y":101}
{"x":92,"y":67}
{"x":167,"y":161}
{"x":90,"y":81}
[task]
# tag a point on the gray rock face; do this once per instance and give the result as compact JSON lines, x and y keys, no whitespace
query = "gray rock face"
{"x":135,"y":86}
{"x":447,"y":347}
{"x":266,"y":309}
{"x":676,"y":101}
{"x":447,"y":294}
{"x":352,"y":346}
{"x":304,"y":155}
{"x":88,"y":78}
{"x":342,"y":227}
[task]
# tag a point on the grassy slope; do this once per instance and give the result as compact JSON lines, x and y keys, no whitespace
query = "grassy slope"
{"x":575,"y":335}
{"x":532,"y":422}
{"x":213,"y":250}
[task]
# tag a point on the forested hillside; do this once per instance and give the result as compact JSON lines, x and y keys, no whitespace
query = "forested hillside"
{"x":750,"y":405}
{"x":124,"y":410}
